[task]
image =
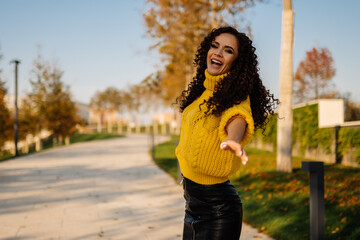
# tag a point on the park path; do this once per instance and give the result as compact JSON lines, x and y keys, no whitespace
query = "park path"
{"x":107,"y":189}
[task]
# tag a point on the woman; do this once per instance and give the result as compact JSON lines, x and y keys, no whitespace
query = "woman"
{"x":224,"y":104}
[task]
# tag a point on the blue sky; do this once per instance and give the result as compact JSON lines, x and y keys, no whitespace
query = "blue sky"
{"x":102,"y":43}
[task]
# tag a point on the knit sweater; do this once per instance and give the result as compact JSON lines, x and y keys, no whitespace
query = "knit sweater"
{"x":200,"y":157}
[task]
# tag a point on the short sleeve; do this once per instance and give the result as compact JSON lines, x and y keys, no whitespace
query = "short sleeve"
{"x":242,"y":110}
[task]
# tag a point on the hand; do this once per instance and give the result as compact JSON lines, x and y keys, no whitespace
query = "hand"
{"x":235,"y":148}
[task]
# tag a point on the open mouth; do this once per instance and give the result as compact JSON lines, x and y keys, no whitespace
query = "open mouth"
{"x":214,"y":61}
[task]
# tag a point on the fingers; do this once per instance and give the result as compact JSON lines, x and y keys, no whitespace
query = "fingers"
{"x":244,"y":158}
{"x":236,"y":149}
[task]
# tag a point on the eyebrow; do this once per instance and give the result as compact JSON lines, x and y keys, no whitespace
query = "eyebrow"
{"x":226,"y":46}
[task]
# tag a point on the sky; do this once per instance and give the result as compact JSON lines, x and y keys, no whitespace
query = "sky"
{"x":103,"y":43}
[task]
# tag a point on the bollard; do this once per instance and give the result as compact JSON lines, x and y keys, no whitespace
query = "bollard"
{"x":317,"y":212}
{"x":152,"y":141}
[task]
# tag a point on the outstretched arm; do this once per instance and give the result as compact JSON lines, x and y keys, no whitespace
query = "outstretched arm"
{"x":235,"y":130}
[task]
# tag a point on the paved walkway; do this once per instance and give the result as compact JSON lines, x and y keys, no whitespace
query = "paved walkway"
{"x":108,"y":189}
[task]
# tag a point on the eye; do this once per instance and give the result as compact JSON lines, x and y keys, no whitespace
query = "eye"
{"x":213,"y":45}
{"x":229,"y":51}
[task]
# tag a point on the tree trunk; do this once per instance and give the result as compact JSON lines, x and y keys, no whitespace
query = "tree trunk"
{"x":55,"y":141}
{"x":61,"y":139}
{"x":163,"y":129}
{"x":155,"y":127}
{"x":137,"y":122}
{"x":317,"y":88}
{"x":109,"y":126}
{"x":25,"y":148}
{"x":119,"y":126}
{"x":38,"y":143}
{"x":147,"y":123}
{"x":285,"y":120}
{"x":99,"y":126}
{"x":67,"y":140}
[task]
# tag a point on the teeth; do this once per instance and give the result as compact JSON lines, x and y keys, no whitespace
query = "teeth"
{"x":216,"y":61}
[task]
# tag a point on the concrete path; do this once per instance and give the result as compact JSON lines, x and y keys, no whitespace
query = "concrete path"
{"x":107,"y":189}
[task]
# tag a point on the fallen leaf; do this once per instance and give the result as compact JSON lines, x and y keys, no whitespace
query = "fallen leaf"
{"x":335,"y":231}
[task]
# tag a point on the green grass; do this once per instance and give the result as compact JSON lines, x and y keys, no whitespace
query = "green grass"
{"x":86,"y":137}
{"x":278,"y":203}
{"x":165,"y":156}
{"x":77,"y":137}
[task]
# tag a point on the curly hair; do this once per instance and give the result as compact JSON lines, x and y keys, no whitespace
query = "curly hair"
{"x":242,"y":81}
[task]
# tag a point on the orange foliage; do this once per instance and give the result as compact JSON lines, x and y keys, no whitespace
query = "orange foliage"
{"x":313,"y":75}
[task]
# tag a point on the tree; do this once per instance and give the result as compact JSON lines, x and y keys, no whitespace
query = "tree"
{"x":108,"y":101}
{"x":313,"y":76}
{"x":285,"y":120}
{"x":5,"y":118}
{"x":113,"y":98}
{"x":153,"y":96}
{"x":37,"y":96}
{"x":6,"y":130}
{"x":137,"y":95}
{"x":352,"y":111}
{"x":351,"y":107}
{"x":178,"y":34}
{"x":50,"y":101}
{"x":27,"y":118}
{"x":97,"y":104}
{"x":152,"y":92}
{"x":61,"y":113}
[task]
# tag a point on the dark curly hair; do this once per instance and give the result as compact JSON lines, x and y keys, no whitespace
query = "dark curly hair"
{"x":242,"y":81}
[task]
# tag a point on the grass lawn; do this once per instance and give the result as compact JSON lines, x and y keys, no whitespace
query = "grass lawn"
{"x":77,"y":137}
{"x":278,"y":203}
{"x":86,"y":137}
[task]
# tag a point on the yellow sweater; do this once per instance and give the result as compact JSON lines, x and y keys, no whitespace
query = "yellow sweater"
{"x":200,"y":157}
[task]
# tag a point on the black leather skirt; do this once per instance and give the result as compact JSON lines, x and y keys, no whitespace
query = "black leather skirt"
{"x":212,"y":212}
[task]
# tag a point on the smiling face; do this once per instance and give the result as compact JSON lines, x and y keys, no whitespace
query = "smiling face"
{"x":222,"y":53}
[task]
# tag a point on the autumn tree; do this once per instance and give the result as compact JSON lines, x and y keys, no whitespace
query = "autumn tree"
{"x":5,"y":118}
{"x":313,"y":76}
{"x":113,"y":98}
{"x":4,"y":115}
{"x":61,"y":112}
{"x":179,"y":26}
{"x":106,"y":102}
{"x":97,"y":104}
{"x":351,"y":107}
{"x":27,"y":118}
{"x":50,"y":101}
{"x":153,"y":96}
{"x":36,"y":102}
{"x":137,"y":93}
{"x":352,"y":111}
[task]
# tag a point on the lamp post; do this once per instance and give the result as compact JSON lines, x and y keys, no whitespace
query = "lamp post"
{"x":16,"y":107}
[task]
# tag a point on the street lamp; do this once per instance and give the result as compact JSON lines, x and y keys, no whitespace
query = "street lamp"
{"x":16,"y":106}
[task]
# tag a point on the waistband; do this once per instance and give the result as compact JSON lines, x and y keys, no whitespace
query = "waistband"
{"x":225,"y":189}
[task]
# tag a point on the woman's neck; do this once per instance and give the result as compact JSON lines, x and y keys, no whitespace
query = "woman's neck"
{"x":211,"y":81}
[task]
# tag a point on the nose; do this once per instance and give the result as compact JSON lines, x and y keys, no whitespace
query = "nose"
{"x":218,"y":52}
